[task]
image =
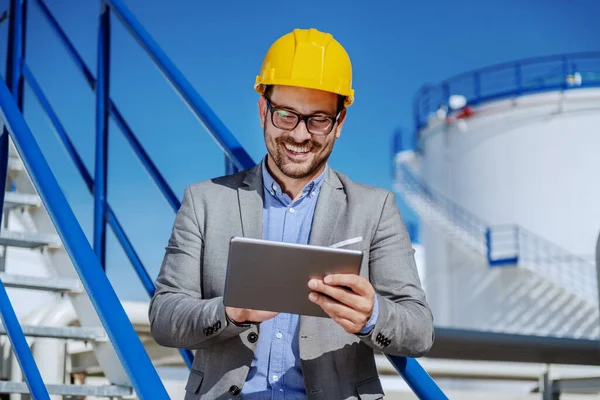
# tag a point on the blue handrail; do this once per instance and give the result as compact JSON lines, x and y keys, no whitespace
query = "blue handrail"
{"x":132,"y":354}
{"x":506,"y":80}
{"x":417,"y":378}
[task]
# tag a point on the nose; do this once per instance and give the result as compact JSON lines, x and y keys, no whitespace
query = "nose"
{"x":300,"y":133}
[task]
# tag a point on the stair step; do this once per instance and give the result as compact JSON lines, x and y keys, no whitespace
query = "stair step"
{"x":15,"y":164}
{"x":67,"y":332}
{"x":70,"y":390}
{"x":15,"y":199}
{"x":28,"y":239}
{"x":52,"y":284}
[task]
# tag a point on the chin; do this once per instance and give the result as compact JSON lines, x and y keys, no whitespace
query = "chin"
{"x":296,"y":171}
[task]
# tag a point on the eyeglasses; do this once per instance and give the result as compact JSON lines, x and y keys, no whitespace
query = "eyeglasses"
{"x":318,"y":125}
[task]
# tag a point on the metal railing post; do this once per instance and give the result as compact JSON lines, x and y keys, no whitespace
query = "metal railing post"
{"x":15,"y":85}
{"x":477,"y":86}
{"x":102,"y":113}
{"x":565,"y":70}
{"x":21,"y":81}
{"x":519,"y":79}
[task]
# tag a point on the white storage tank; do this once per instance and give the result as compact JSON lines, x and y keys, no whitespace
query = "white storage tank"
{"x":514,"y":149}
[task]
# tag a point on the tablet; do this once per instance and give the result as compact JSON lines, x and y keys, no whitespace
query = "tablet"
{"x":273,"y":276}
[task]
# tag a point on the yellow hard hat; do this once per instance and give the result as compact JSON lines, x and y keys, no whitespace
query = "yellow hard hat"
{"x":310,"y":59}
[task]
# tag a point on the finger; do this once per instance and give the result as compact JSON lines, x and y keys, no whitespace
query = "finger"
{"x":356,"y":283}
{"x":363,"y":304}
{"x":340,"y":294}
{"x":338,"y":310}
{"x":340,"y":314}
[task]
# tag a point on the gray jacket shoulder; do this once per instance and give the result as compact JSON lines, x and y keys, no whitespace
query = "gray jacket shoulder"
{"x":214,"y":188}
{"x":364,"y":193}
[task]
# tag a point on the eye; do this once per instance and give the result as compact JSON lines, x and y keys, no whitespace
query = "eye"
{"x":319,"y":121}
{"x":285,"y":115}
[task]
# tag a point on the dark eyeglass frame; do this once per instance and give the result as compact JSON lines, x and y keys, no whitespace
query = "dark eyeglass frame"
{"x":301,"y":117}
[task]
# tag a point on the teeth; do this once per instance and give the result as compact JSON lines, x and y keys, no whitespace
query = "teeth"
{"x":296,"y":149}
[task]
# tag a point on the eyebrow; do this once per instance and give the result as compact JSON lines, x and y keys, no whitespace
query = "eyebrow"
{"x":295,"y":110}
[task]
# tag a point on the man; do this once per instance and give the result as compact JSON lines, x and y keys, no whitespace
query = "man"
{"x":293,"y":196}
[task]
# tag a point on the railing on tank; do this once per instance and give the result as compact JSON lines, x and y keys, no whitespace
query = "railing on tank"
{"x":510,"y":244}
{"x":236,"y":158}
{"x":507,"y":80}
{"x":467,"y":221}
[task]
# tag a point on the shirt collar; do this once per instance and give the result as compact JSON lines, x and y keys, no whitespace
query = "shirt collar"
{"x":272,"y":186}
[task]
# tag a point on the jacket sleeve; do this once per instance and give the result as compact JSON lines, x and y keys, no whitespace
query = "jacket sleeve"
{"x":404,"y":325}
{"x":179,"y":315}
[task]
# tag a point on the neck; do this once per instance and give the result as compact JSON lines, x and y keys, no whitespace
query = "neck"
{"x":291,"y":186}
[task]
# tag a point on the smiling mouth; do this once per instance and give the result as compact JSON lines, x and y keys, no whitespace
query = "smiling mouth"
{"x":296,"y":150}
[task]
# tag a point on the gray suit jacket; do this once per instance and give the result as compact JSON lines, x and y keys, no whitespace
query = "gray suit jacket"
{"x":187,"y":310}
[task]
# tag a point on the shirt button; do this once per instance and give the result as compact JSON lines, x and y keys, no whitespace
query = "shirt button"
{"x":312,"y":194}
{"x":234,"y":390}
{"x":274,"y":187}
{"x":292,"y":210}
{"x":279,"y":335}
{"x":275,"y":378}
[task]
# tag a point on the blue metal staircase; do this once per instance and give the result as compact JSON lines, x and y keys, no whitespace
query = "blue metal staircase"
{"x":77,"y":268}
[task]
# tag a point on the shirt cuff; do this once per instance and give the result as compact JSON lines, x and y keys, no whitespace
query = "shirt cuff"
{"x":373,"y":320}
{"x":238,"y":324}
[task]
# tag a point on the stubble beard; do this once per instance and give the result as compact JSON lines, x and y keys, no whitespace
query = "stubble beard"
{"x":303,"y":169}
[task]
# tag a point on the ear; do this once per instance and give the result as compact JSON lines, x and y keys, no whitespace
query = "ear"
{"x":340,"y":124}
{"x":262,"y":110}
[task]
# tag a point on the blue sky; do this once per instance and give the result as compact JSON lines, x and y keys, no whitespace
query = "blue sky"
{"x":395,"y":47}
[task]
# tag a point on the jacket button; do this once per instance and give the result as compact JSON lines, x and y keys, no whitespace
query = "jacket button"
{"x":234,"y":390}
{"x":252,"y":337}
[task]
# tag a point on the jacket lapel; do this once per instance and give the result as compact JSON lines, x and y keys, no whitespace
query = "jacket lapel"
{"x":329,"y":207}
{"x":250,"y":197}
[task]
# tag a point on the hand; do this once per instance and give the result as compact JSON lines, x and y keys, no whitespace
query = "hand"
{"x":244,"y":315}
{"x":350,"y":302}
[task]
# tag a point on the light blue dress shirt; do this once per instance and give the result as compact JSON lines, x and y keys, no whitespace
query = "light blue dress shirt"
{"x":275,"y":372}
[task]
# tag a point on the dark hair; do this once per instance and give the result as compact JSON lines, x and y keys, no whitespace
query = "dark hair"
{"x":340,"y":103}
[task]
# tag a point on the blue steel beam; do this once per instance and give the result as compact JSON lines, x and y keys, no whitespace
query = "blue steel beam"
{"x":33,"y":378}
{"x":102,"y":112}
{"x":417,"y":378}
{"x":224,"y":138}
{"x":126,"y":342}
